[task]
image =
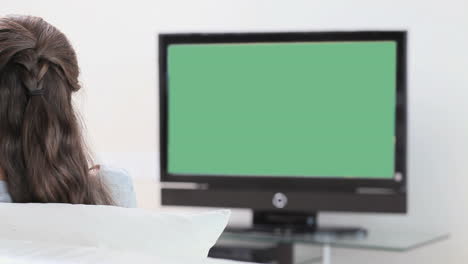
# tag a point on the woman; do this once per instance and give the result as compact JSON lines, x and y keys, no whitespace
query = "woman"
{"x":42,"y":155}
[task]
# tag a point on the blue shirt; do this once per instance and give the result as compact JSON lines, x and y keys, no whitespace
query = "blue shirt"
{"x":4,"y":195}
{"x":118,"y":181}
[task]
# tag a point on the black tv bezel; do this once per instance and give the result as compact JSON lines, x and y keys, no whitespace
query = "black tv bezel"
{"x":289,"y":183}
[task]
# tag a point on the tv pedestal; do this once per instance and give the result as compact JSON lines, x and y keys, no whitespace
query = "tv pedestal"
{"x":294,"y":249}
{"x":289,"y":246}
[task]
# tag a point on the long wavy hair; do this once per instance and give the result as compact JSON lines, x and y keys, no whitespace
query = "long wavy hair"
{"x":42,"y":151}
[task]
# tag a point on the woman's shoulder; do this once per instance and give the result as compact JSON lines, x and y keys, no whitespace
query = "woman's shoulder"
{"x":120,"y":184}
{"x":4,"y":194}
{"x":115,"y":177}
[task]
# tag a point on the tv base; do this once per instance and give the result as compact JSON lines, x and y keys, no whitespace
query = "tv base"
{"x":299,"y":223}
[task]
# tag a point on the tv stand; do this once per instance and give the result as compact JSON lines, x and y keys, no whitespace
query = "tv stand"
{"x":283,"y":228}
{"x":260,"y":244}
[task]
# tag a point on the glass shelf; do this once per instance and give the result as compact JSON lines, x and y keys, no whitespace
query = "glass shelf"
{"x":288,"y":248}
{"x":375,"y":239}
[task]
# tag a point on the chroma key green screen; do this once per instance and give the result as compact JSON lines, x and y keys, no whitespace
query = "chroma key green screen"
{"x":302,"y":109}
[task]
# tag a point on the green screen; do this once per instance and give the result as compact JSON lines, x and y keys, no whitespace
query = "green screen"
{"x":305,"y":109}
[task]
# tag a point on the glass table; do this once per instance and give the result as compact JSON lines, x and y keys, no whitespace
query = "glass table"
{"x":288,"y":248}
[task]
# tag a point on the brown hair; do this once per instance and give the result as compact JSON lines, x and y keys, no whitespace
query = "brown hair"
{"x":41,"y":147}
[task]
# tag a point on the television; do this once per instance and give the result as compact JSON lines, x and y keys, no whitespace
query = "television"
{"x":287,"y":124}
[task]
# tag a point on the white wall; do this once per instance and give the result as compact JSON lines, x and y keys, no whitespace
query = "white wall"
{"x":116,"y":45}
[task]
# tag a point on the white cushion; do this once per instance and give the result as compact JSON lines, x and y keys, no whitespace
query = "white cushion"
{"x":114,"y":228}
{"x":28,"y":252}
